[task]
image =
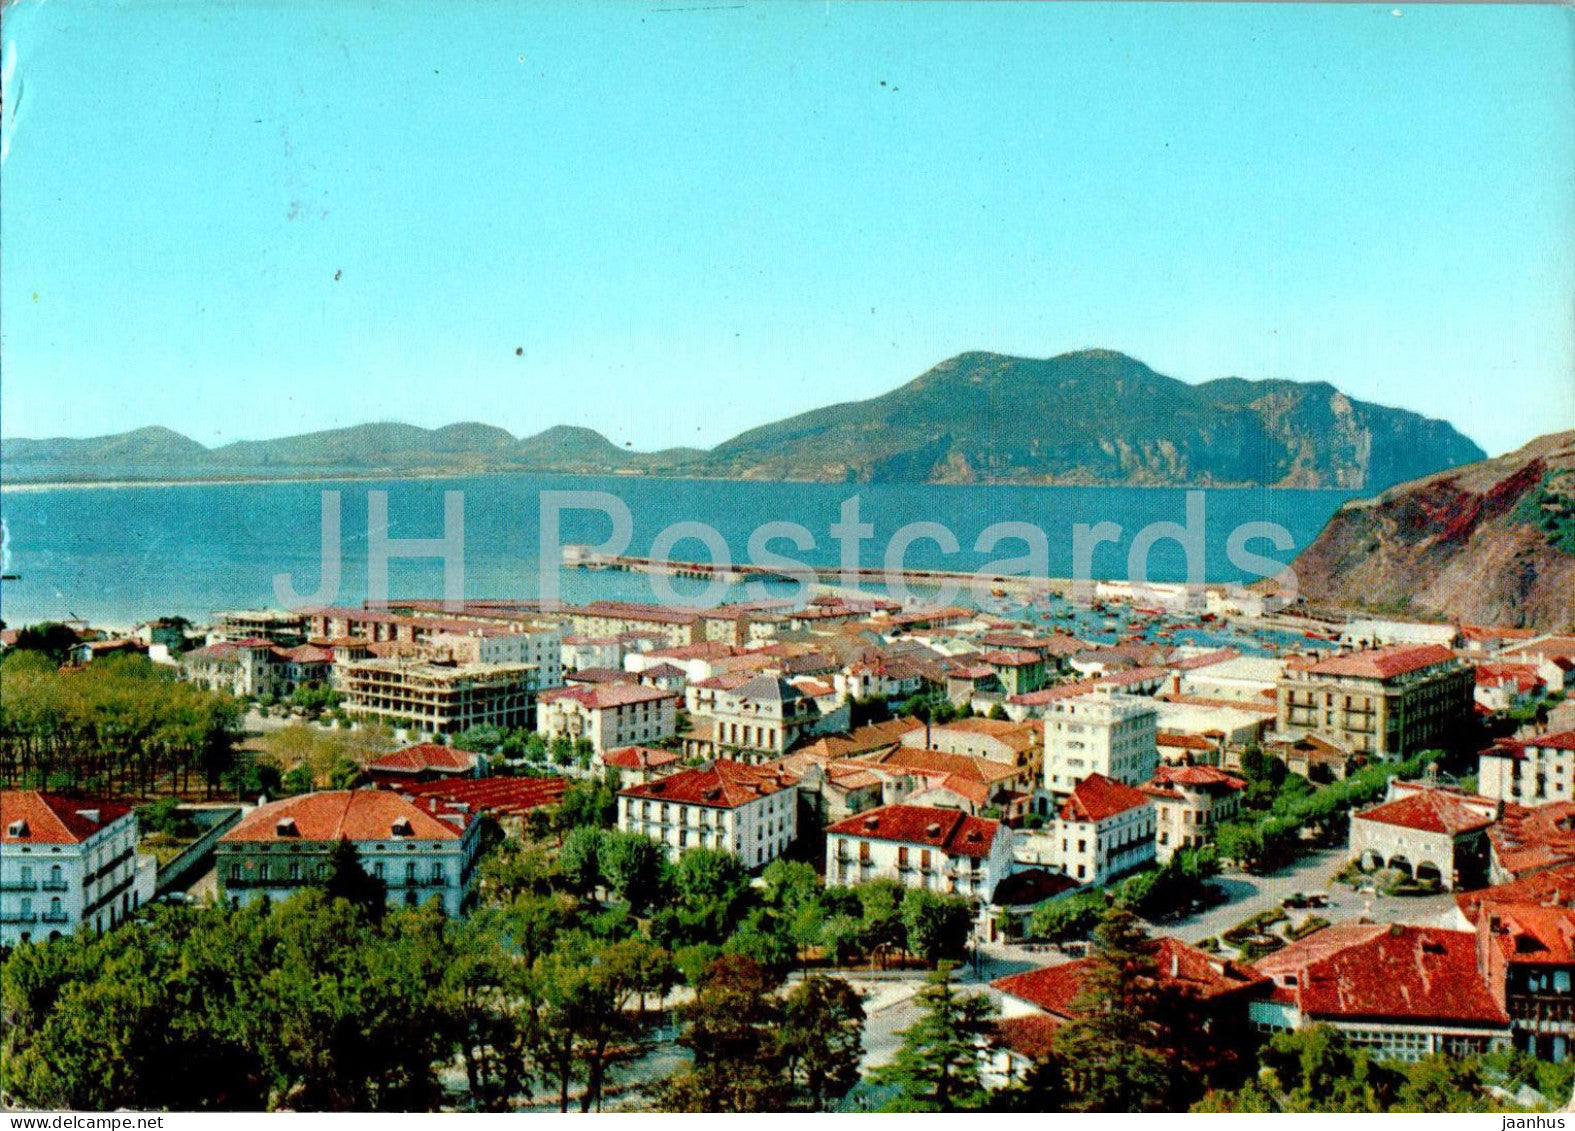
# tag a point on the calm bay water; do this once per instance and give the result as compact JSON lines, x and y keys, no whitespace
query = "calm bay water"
{"x":123,"y":554}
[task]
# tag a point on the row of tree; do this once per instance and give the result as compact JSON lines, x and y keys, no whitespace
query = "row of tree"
{"x":1285,"y":813}
{"x":120,"y":725}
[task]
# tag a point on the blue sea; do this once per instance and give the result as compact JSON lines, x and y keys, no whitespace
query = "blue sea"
{"x":120,"y":555}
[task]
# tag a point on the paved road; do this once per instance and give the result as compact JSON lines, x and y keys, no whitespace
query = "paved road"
{"x":1251,"y":894}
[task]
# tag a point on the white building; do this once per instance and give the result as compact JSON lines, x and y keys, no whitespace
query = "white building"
{"x":943,"y":850}
{"x":1108,"y":734}
{"x":750,"y":811}
{"x":590,"y":652}
{"x":1437,"y":835}
{"x":1190,"y":802}
{"x":1532,"y":771}
{"x":421,"y":849}
{"x":65,"y":862}
{"x":1106,"y":828}
{"x":541,"y":646}
{"x":1382,"y":633}
{"x":608,"y":715}
{"x":1241,"y":679}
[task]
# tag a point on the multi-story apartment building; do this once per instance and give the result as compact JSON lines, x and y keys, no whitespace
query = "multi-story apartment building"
{"x":1106,"y":829}
{"x":1108,"y":734}
{"x":608,"y":715}
{"x":1189,"y":803}
{"x":751,"y":811}
{"x":1531,"y":771}
{"x":541,"y":646}
{"x":439,"y":697}
{"x":1385,"y":703}
{"x":943,"y":850}
{"x":421,"y":849}
{"x":67,"y":862}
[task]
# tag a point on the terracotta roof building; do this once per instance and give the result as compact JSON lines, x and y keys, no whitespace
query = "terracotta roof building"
{"x":1530,"y":771}
{"x":1383,"y":702}
{"x":938,"y":849}
{"x":66,"y":862}
{"x":423,"y":762}
{"x":1405,"y":992}
{"x":1105,"y":829}
{"x":751,"y":811}
{"x":1433,"y":834}
{"x":420,"y":847}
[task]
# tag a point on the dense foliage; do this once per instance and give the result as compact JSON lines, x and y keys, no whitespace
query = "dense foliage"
{"x":118,"y":726}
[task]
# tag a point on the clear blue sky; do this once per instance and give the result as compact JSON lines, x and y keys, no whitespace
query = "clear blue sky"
{"x":251,"y":219}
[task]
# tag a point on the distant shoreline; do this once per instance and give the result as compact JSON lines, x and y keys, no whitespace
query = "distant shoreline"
{"x":42,"y":485}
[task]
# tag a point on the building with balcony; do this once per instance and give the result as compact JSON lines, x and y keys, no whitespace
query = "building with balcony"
{"x":1105,"y":829}
{"x":273,"y":625}
{"x":943,"y":850}
{"x":608,"y":715}
{"x":1189,"y":804}
{"x":750,"y":811}
{"x":67,"y":862}
{"x":421,"y":849}
{"x":1383,"y":703}
{"x":437,"y":696}
{"x":1531,"y":771}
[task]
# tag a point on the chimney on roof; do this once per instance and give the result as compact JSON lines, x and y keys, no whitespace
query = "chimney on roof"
{"x":1175,"y":965}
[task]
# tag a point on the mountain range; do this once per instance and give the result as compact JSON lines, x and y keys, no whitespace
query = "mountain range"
{"x":1087,"y":417}
{"x":1488,"y":543}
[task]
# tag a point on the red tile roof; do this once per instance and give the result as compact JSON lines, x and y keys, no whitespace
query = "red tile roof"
{"x":53,"y":818}
{"x":721,"y":785}
{"x":344,"y":814}
{"x":639,"y":758}
{"x":1526,"y":840}
{"x":1551,"y":887}
{"x":952,"y":831}
{"x":601,"y":696}
{"x":1203,"y":777}
{"x":1429,"y":811}
{"x":1097,"y":798}
{"x":1178,"y":966}
{"x":423,"y":757}
{"x":510,"y":797}
{"x":1031,"y":1037}
{"x":1532,"y":935}
{"x":1384,"y":663}
{"x":1399,"y":973}
{"x":1011,"y":659}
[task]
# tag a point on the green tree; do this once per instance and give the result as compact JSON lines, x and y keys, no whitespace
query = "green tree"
{"x":936,"y":925}
{"x":937,"y":1066}
{"x":635,"y":867}
{"x":580,"y":858}
{"x":731,"y":1031}
{"x":821,"y":1040}
{"x":1109,"y":1051}
{"x":349,"y":881}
